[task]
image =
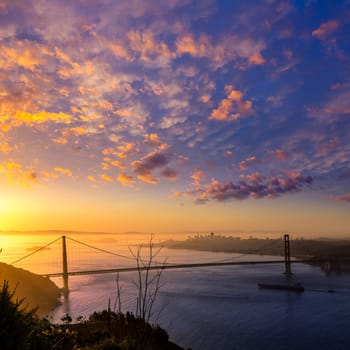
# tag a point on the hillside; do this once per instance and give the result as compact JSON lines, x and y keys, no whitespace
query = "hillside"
{"x":36,"y":290}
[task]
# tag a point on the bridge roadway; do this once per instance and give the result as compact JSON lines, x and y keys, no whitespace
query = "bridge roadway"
{"x":175,"y":266}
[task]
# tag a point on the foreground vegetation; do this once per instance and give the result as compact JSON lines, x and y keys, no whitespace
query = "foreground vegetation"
{"x":22,"y":329}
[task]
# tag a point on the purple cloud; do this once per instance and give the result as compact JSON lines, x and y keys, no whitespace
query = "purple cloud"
{"x":344,"y":198}
{"x":259,"y":188}
{"x":152,"y":161}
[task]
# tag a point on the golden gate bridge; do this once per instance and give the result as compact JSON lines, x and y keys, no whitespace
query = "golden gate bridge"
{"x":62,"y":268}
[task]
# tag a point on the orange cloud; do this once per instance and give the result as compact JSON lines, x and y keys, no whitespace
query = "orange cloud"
{"x":125,"y":149}
{"x":62,"y":56}
{"x":41,"y":117}
{"x":115,"y":163}
{"x":126,"y":180}
{"x":108,"y":151}
{"x":47,"y":175}
{"x":91,"y":178}
{"x":118,"y":50}
{"x":232,"y":107}
{"x":197,"y":177}
{"x":16,"y":173}
{"x":196,"y":48}
{"x":205,"y":98}
{"x":24,"y":54}
{"x":152,"y":139}
{"x":325,"y":29}
{"x":106,"y":177}
{"x":228,"y":153}
{"x":63,"y":171}
{"x":229,"y":48}
{"x":60,"y":140}
{"x":147,"y":178}
{"x":5,"y":147}
{"x":254,"y":177}
{"x":77,"y":131}
{"x":279,"y":154}
{"x":72,"y":69}
{"x":146,"y":45}
{"x":105,"y":166}
{"x":256,"y":59}
{"x":243,"y":165}
{"x":20,"y":117}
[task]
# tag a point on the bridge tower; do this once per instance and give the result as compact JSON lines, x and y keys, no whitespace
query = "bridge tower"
{"x":288,"y":270}
{"x":65,"y":266}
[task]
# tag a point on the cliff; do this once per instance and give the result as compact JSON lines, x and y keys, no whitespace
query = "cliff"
{"x":37,"y":291}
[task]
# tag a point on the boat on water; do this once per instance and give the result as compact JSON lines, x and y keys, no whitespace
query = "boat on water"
{"x":289,"y":287}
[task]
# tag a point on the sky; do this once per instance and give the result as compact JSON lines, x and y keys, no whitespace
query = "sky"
{"x":175,"y":115}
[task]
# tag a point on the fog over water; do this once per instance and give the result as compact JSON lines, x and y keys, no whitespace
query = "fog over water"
{"x":204,"y":307}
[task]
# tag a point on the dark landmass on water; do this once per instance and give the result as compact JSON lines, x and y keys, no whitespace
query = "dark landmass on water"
{"x":334,"y":253}
{"x":38,"y":292}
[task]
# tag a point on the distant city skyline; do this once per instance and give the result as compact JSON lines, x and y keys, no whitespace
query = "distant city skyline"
{"x":177,"y":115}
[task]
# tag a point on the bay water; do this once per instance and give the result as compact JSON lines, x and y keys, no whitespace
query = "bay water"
{"x":202,"y":308}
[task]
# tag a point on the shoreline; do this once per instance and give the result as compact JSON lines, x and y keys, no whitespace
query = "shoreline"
{"x":331,"y":256}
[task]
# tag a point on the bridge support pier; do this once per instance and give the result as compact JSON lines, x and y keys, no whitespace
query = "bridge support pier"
{"x":288,"y":270}
{"x":65,"y":266}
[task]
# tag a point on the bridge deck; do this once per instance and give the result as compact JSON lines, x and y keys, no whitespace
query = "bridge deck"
{"x":174,"y":266}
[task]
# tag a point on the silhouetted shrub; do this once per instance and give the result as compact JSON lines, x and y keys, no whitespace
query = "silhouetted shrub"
{"x":16,"y":323}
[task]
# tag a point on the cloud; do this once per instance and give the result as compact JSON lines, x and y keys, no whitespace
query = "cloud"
{"x":5,"y":147}
{"x":340,"y":86}
{"x":335,"y":108}
{"x":169,"y":121}
{"x":169,"y":173}
{"x":233,"y":107}
{"x":256,"y":59}
{"x":326,"y":29}
{"x":328,"y":146}
{"x":275,"y":100}
{"x":91,"y":178}
{"x":63,"y":171}
{"x":125,"y":149}
{"x":106,"y":177}
{"x":152,"y":161}
{"x":343,"y":199}
{"x":152,"y":139}
{"x":230,"y":48}
{"x":116,"y":163}
{"x":197,"y":176}
{"x":24,"y":54}
{"x":228,"y":153}
{"x":244,"y":164}
{"x":254,"y":177}
{"x":18,"y":174}
{"x":119,"y":50}
{"x":148,"y":48}
{"x":19,"y":118}
{"x":126,"y":180}
{"x":121,"y":151}
{"x":279,"y":154}
{"x":255,"y":187}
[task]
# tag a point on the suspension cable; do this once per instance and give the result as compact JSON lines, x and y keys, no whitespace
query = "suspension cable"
{"x":101,"y":250}
{"x":36,"y":251}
